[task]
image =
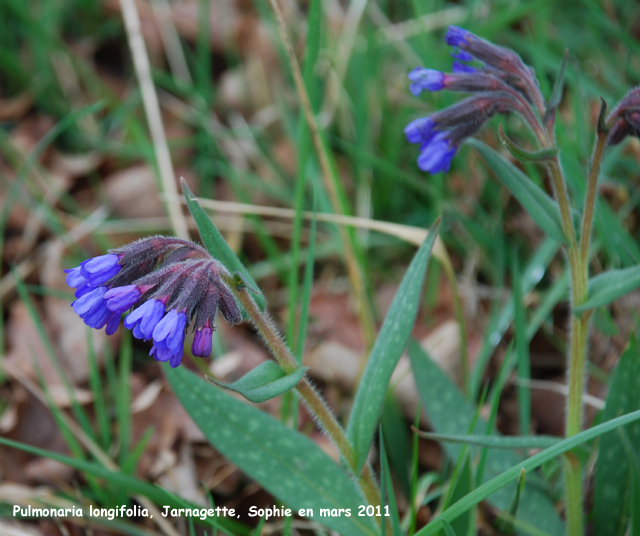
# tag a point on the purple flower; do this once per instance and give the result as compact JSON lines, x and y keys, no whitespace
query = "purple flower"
{"x":100,"y":269}
{"x":143,"y":320}
{"x":419,"y":130}
{"x":504,"y":85}
{"x":426,"y":79}
{"x":461,"y":68}
{"x":92,"y":308}
{"x":119,"y":299}
{"x":168,"y":337}
{"x":436,"y":154}
{"x":457,"y":37}
{"x":202,"y":341}
{"x":170,"y":283}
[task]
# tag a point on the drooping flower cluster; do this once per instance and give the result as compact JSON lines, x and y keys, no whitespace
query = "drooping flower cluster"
{"x":624,"y":120}
{"x":168,"y":282}
{"x":502,"y":85}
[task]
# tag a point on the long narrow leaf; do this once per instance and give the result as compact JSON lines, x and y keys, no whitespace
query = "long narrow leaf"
{"x":216,"y":244}
{"x":391,"y":342}
{"x":612,"y":486}
{"x":542,"y":208}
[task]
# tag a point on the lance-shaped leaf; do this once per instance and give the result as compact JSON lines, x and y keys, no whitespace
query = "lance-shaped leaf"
{"x":391,"y":342}
{"x":542,"y":208}
{"x":286,"y":463}
{"x":217,"y":245}
{"x":264,"y":382}
{"x":614,"y":483}
{"x":606,"y":287}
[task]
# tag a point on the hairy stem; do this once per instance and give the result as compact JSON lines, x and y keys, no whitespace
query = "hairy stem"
{"x":590,"y":201}
{"x":312,"y":399}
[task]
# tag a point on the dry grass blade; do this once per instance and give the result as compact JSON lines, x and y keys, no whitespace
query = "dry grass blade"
{"x":355,"y":274}
{"x":152,"y":111}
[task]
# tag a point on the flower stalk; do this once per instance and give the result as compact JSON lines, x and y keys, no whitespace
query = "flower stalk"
{"x":313,"y":400}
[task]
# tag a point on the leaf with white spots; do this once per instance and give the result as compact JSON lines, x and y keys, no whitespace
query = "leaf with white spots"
{"x":389,"y":346}
{"x":284,"y":462}
{"x":613,"y":482}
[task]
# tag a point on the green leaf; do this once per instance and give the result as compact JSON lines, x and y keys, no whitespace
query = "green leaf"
{"x":612,"y":484}
{"x":522,"y":154}
{"x":606,"y":287}
{"x":463,"y":486}
{"x":522,"y":350}
{"x":506,"y":524}
{"x":386,"y":352}
{"x":287,"y":464}
{"x":542,"y":208}
{"x":264,"y":382}
{"x":217,"y":246}
{"x":495,"y":442}
{"x":386,"y":490}
{"x":451,"y":413}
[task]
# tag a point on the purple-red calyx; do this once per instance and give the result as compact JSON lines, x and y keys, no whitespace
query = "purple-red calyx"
{"x":504,"y":85}
{"x":168,"y":283}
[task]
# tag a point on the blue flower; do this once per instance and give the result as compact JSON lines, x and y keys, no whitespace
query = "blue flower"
{"x":100,"y":269}
{"x":436,"y":154}
{"x":202,"y":341}
{"x":419,"y":130}
{"x":168,"y":338}
{"x":143,"y":320}
{"x":426,"y":79}
{"x":168,"y":282}
{"x":92,"y":308}
{"x":119,"y":299}
{"x":457,"y":37}
{"x":461,"y":68}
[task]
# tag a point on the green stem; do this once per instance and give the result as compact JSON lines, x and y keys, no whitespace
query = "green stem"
{"x":590,"y":201}
{"x":313,"y":400}
{"x":573,"y":489}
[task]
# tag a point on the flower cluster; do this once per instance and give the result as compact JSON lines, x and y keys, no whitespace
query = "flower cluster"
{"x":168,"y":282}
{"x":624,"y":120}
{"x":501,"y":84}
